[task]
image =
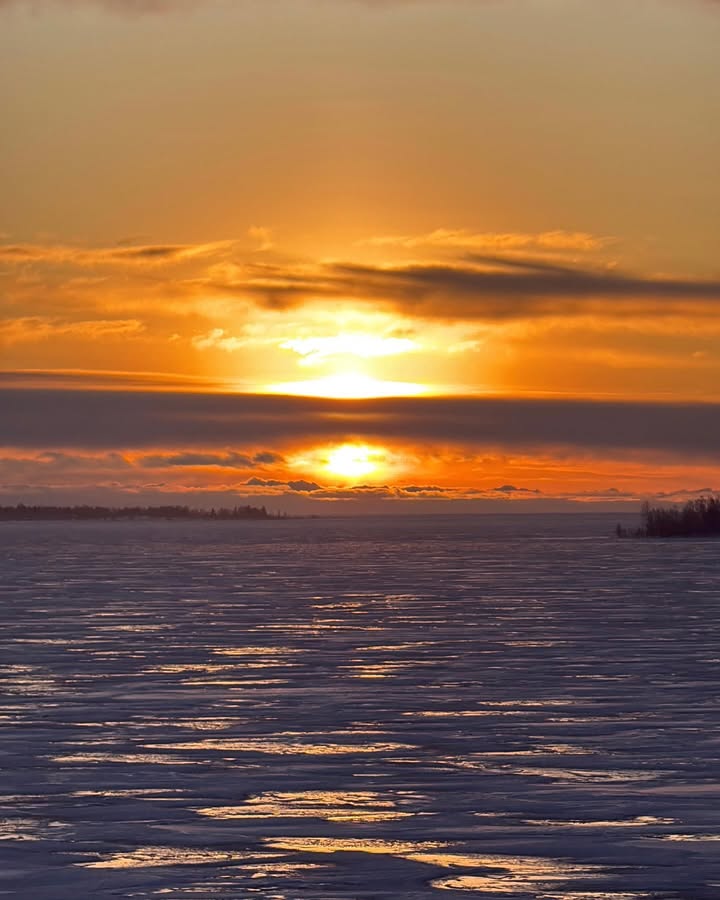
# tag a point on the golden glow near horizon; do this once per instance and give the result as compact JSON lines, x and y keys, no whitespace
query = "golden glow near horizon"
{"x":349,"y":386}
{"x":314,"y":350}
{"x":337,"y":352}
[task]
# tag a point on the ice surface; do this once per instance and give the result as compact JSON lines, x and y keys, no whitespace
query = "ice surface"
{"x":495,"y":707}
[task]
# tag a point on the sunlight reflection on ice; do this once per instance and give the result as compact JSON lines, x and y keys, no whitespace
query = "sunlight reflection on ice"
{"x":637,"y":822}
{"x":507,"y":874}
{"x":352,"y":845}
{"x":32,"y":830}
{"x":691,"y":837}
{"x":135,"y":758}
{"x":593,"y":895}
{"x":515,"y":874}
{"x":282,"y":748}
{"x":332,"y":806}
{"x":151,"y":857}
{"x":588,"y":776}
{"x":145,"y":793}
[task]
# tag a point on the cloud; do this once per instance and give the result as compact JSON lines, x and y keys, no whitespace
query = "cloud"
{"x":481,"y":284}
{"x":81,"y":476}
{"x":115,"y":420}
{"x":143,"y":255}
{"x":511,"y":489}
{"x":217,"y":339}
{"x":63,"y":463}
{"x":300,"y":486}
{"x":85,"y":379}
{"x":263,"y":236}
{"x":315,"y":350}
{"x":477,"y":288}
{"x":463,"y":239}
{"x":76,"y":477}
{"x":229,"y":460}
{"x":36,"y":328}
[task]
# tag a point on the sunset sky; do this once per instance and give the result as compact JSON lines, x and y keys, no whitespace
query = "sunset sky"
{"x":340,"y":256}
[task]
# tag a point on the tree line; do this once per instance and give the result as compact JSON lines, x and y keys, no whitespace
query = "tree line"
{"x":21,"y":512}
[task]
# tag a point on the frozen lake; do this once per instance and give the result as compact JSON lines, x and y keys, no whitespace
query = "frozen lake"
{"x":492,"y":707}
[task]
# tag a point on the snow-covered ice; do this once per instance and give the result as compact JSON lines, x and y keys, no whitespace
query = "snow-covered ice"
{"x":501,"y":707}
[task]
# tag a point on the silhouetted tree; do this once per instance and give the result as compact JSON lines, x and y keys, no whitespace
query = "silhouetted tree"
{"x":695,"y":518}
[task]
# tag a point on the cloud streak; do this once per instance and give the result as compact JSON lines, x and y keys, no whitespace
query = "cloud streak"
{"x":462,"y":239}
{"x":37,"y":328}
{"x":141,"y":255}
{"x":491,"y":278}
{"x":479,"y":288}
{"x":229,"y":460}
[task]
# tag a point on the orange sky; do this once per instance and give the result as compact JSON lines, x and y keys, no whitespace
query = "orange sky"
{"x":342,"y":199}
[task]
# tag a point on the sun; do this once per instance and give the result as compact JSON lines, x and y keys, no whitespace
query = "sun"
{"x":353,"y":461}
{"x":349,"y":463}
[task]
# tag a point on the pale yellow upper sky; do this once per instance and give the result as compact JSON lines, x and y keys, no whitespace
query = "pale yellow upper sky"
{"x":333,"y":120}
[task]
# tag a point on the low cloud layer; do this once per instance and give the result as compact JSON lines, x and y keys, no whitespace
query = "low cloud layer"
{"x":121,"y":419}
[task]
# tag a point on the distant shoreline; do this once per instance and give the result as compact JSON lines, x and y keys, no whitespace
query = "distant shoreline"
{"x":79,"y":513}
{"x":23,"y":513}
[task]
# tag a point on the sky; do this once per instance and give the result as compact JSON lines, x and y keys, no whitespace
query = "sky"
{"x":360,"y":256}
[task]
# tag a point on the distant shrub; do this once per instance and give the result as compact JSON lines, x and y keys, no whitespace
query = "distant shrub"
{"x":694,"y":518}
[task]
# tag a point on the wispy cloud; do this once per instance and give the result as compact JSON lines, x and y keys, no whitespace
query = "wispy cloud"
{"x":299,"y":486}
{"x":227,"y":460}
{"x":463,"y":239}
{"x":314,"y":350}
{"x":83,"y":379}
{"x":479,"y":287}
{"x":143,"y":255}
{"x":217,"y":339}
{"x":34,"y":328}
{"x":500,"y":280}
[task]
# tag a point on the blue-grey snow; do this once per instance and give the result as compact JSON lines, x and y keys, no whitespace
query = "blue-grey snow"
{"x":336,"y":709}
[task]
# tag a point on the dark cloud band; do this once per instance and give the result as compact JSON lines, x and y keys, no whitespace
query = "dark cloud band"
{"x":105,"y":420}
